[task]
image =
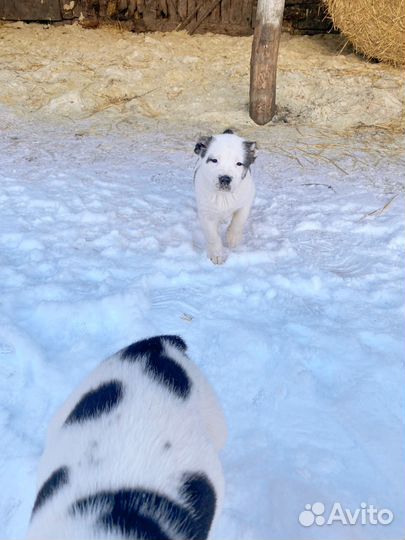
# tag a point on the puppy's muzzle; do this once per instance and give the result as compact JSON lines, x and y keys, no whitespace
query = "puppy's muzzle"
{"x":224,"y":182}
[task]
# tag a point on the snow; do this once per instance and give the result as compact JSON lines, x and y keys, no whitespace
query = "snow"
{"x":301,"y":331}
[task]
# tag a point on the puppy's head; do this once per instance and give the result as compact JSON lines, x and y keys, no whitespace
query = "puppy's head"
{"x":225,"y":159}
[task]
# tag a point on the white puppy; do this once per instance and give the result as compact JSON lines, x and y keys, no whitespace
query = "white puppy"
{"x":224,"y":188}
{"x":133,"y":452}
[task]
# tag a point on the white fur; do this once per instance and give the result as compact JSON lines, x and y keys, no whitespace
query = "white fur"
{"x":123,"y":448}
{"x":215,"y":205}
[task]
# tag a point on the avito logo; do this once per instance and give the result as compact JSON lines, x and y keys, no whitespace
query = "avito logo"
{"x":365,"y":515}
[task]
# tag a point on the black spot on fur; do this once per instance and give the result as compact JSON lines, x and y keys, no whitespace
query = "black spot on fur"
{"x":167,"y":445}
{"x":97,"y":402}
{"x":202,"y":145}
{"x":170,"y":373}
{"x":199,"y":493}
{"x":158,"y":365}
{"x":250,"y":153}
{"x":154,"y":343}
{"x":129,"y":513}
{"x":133,"y":513}
{"x":228,"y":131}
{"x":56,"y":481}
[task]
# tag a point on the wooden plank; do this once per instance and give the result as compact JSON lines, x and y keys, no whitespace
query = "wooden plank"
{"x":173,"y":15}
{"x":232,"y":17}
{"x":226,"y":11}
{"x":247,"y":12}
{"x":182,"y":8}
{"x":192,"y":10}
{"x":192,"y":6}
{"x":149,"y":14}
{"x":236,"y":11}
{"x":215,"y":15}
{"x":163,"y":8}
{"x":263,"y":62}
{"x":202,"y":15}
{"x":131,"y":8}
{"x":103,"y":8}
{"x":34,"y":10}
{"x":254,"y":9}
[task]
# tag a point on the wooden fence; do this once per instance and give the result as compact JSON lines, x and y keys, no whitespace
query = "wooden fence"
{"x":233,"y":17}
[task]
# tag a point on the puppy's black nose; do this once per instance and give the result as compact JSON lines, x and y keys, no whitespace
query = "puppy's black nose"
{"x":225,"y":180}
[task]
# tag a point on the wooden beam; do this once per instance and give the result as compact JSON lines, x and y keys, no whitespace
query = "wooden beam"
{"x":173,"y":9}
{"x":191,"y":13}
{"x":263,"y":61}
{"x":202,"y":15}
{"x":34,"y":10}
{"x":202,"y":11}
{"x":182,"y":8}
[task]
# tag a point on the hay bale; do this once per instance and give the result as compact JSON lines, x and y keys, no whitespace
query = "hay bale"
{"x":376,"y":28}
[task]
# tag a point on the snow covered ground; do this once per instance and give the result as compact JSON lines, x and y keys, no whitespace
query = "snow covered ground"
{"x":301,"y":331}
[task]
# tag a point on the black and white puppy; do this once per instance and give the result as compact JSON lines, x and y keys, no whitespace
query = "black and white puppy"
{"x":133,"y":452}
{"x":224,"y":188}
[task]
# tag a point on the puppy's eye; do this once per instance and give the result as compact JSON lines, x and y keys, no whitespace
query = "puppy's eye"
{"x":239,"y":164}
{"x":213,"y":160}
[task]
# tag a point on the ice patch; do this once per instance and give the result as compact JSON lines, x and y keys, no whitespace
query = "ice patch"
{"x":30,"y":244}
{"x":309,"y":226}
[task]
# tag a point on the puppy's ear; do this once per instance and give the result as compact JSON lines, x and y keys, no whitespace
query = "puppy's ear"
{"x":202,"y":145}
{"x":251,"y":152}
{"x":228,"y":131}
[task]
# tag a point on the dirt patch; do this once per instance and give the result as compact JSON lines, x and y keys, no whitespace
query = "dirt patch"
{"x":204,"y":79}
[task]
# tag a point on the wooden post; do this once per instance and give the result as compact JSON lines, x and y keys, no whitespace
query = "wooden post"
{"x":263,"y":61}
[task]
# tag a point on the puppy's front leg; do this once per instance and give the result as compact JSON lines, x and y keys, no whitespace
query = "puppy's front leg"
{"x":214,"y":244}
{"x":235,"y":230}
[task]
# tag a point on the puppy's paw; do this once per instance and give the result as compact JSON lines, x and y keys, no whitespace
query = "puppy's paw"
{"x":233,"y":238}
{"x":216,"y":258}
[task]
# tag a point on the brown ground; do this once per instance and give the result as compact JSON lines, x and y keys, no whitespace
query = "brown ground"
{"x":70,"y":72}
